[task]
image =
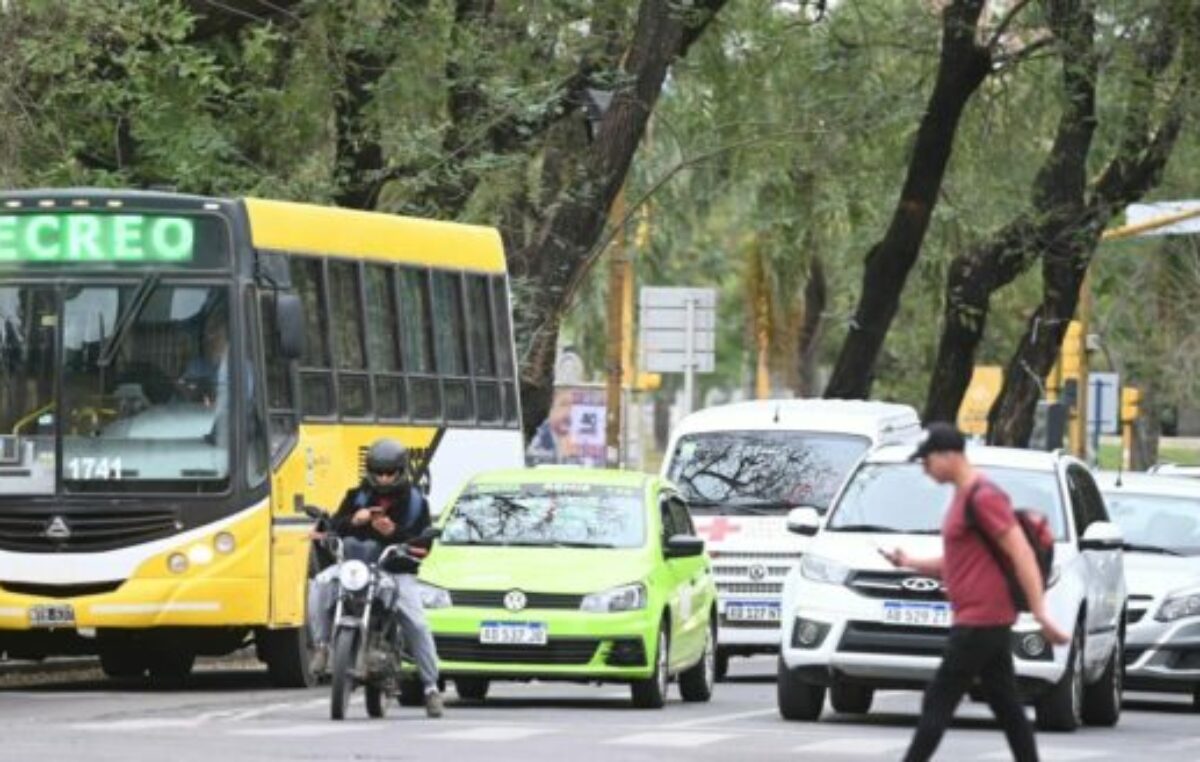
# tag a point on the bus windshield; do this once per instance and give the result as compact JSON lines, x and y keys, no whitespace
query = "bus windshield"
{"x":143,"y":369}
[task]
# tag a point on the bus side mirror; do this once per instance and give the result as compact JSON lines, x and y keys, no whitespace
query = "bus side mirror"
{"x":289,"y":319}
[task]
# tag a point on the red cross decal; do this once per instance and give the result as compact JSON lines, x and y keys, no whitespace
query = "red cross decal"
{"x":718,"y":528}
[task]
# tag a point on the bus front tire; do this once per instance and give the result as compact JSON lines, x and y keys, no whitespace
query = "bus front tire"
{"x":288,"y":654}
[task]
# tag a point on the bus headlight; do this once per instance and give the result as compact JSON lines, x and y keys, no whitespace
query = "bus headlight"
{"x":353,"y":576}
{"x":224,"y":542}
{"x":177,"y":562}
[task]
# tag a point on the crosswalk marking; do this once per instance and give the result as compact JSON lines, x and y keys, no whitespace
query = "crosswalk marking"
{"x":490,"y":733}
{"x":666,"y":739}
{"x":876,"y":746}
{"x":1052,"y":754}
{"x":307,"y":730}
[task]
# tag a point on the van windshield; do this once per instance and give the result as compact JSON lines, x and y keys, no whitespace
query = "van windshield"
{"x":763,"y":472}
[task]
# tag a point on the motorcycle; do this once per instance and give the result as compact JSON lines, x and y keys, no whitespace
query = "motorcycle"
{"x":367,"y":645}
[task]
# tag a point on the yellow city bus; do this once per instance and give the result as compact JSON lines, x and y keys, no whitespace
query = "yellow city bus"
{"x":180,"y":376}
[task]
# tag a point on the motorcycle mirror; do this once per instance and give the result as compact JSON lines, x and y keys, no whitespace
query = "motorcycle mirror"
{"x":313,"y":512}
{"x":431,"y":533}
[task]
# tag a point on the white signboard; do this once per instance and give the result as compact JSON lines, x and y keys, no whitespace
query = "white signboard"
{"x":1137,"y":214}
{"x":678,"y":333}
{"x":1104,"y":399}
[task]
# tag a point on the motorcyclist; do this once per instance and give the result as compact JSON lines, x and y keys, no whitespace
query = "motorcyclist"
{"x":384,"y":509}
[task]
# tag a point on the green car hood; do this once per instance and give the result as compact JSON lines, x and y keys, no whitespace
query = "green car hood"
{"x":543,"y":570}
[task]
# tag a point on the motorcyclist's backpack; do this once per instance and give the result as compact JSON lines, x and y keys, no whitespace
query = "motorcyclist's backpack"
{"x":1038,"y":533}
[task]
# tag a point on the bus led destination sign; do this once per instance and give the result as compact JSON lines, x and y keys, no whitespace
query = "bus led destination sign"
{"x":96,"y":238}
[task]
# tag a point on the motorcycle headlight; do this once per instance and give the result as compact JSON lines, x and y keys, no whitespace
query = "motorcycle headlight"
{"x":353,"y":576}
{"x":624,"y":598}
{"x":434,"y":597}
{"x":824,"y":570}
{"x":1179,"y":605}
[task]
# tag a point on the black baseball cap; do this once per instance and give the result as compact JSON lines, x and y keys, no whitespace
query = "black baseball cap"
{"x":939,"y":437}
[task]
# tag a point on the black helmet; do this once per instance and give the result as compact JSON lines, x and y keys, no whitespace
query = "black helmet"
{"x":386,"y":456}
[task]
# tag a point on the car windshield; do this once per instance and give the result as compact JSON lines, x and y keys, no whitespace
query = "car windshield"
{"x":763,"y":471}
{"x":1157,"y":522}
{"x":548,"y":515}
{"x":899,"y":497}
{"x":143,"y":369}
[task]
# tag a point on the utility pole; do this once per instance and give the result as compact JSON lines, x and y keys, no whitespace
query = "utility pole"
{"x":620,"y":288}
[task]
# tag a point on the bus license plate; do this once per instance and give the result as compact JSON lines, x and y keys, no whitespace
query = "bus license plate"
{"x":935,"y":614}
{"x":52,"y":615}
{"x":513,"y":633}
{"x":751,"y":612}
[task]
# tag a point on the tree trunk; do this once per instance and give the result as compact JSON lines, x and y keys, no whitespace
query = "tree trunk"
{"x":962,"y":68}
{"x":812,"y":327}
{"x":1058,"y":199}
{"x":1136,"y":167}
{"x":561,"y":251}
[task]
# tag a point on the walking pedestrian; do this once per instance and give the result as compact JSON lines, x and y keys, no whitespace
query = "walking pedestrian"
{"x":980,"y":519}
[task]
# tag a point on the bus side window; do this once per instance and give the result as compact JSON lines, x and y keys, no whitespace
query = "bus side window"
{"x":416,"y":335}
{"x":349,"y":352}
{"x":383,"y":343}
{"x":450,"y":345}
{"x":316,"y":374}
{"x":504,"y":349}
{"x":281,"y":405}
{"x":483,"y":350}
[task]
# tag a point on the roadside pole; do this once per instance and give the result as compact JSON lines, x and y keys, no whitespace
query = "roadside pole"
{"x":619,"y":277}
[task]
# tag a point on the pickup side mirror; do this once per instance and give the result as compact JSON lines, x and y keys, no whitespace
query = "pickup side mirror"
{"x":289,"y":321}
{"x":804,"y":520}
{"x":1102,"y":535}
{"x":683,"y":546}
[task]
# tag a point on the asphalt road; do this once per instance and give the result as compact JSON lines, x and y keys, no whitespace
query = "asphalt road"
{"x":230,"y":715}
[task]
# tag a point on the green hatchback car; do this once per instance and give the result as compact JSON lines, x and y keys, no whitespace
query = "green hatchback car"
{"x":572,"y":574}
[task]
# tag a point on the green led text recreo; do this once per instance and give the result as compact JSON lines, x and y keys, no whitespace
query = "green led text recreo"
{"x":87,"y":238}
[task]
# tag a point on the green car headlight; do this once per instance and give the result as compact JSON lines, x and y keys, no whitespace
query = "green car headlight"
{"x":434,"y":597}
{"x":624,"y":598}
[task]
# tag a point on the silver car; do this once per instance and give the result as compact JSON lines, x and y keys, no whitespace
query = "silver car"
{"x":1160,"y":519}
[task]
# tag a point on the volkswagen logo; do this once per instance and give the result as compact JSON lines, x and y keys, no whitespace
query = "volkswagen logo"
{"x":758,"y":572}
{"x":515,"y":600}
{"x":57,"y":529}
{"x":921,"y":584}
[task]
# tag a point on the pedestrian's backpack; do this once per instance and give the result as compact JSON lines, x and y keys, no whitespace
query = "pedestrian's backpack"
{"x":1038,"y":534}
{"x":363,"y":498}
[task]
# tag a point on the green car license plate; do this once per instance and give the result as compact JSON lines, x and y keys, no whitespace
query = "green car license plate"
{"x":513,"y":633}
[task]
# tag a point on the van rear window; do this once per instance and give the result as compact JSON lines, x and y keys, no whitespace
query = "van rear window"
{"x":763,"y":472}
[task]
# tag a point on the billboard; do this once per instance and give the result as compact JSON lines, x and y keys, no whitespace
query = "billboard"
{"x":573,"y":433}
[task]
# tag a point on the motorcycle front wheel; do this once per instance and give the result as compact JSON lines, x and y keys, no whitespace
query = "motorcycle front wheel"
{"x":345,"y":647}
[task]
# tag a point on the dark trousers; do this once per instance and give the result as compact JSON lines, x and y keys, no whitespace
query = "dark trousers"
{"x":972,"y":653}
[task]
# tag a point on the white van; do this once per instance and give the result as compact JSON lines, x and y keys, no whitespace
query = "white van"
{"x":742,"y":467}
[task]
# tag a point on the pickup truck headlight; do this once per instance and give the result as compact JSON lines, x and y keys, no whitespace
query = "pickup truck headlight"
{"x":824,"y":570}
{"x":1179,"y":605}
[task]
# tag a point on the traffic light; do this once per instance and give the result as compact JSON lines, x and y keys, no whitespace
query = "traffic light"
{"x":1131,"y":400}
{"x":1071,"y":354}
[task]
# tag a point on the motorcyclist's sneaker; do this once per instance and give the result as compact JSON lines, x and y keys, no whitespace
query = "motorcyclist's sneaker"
{"x":319,"y":663}
{"x":433,"y":704}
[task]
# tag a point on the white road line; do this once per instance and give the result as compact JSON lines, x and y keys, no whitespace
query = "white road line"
{"x":250,"y":714}
{"x":670,"y":740}
{"x":1053,"y":754}
{"x":490,"y":733}
{"x":308,"y":730}
{"x":719,"y":718}
{"x":874,"y":746}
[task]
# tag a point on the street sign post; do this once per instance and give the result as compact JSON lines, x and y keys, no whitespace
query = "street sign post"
{"x":678,"y":333}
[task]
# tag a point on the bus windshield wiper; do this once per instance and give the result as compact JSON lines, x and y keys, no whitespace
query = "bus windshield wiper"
{"x":1140,"y":548}
{"x":136,"y":305}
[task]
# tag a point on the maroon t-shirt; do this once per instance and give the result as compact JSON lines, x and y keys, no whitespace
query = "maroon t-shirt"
{"x":976,"y":586}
